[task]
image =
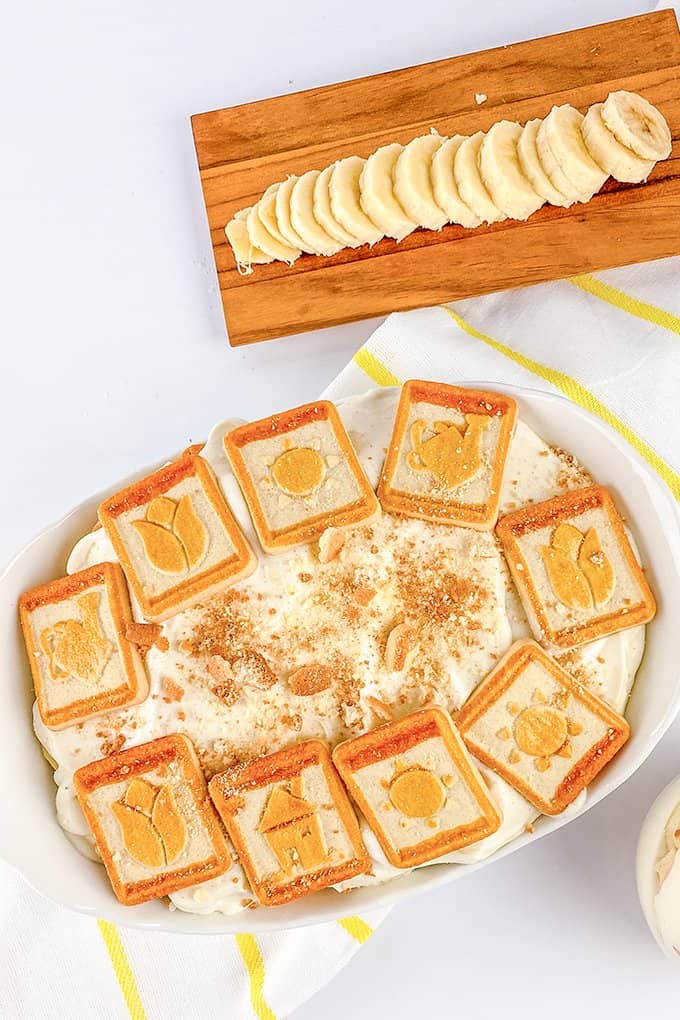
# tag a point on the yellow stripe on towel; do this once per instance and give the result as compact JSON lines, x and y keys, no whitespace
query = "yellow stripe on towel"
{"x":357,"y":928}
{"x":627,"y":303}
{"x":123,"y":971}
{"x":374,"y":369}
{"x":579,"y":395}
{"x":254,"y":964}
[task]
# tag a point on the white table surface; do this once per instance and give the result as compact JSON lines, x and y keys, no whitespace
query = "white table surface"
{"x":114,"y":353}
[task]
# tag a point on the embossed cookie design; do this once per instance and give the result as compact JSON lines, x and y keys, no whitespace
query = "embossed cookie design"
{"x":81,"y":661}
{"x":417,"y":787}
{"x":176,"y":538}
{"x":539,"y":729}
{"x":152,"y":819}
{"x":299,"y":475}
{"x":291,"y":823}
{"x":575,"y":569}
{"x":447,"y":454}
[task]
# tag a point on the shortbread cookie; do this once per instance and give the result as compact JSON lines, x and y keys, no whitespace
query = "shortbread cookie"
{"x":291,"y":823}
{"x":81,"y":661}
{"x":176,"y":537}
{"x":447,"y":454}
{"x":152,"y":819}
{"x":299,"y":475}
{"x":539,"y":729}
{"x":575,"y":568}
{"x":417,"y":787}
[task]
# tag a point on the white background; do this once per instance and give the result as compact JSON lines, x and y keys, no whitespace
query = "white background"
{"x":114,"y":354}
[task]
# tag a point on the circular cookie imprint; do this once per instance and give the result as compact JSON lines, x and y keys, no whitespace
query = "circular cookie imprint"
{"x":413,"y":183}
{"x":532,"y":168}
{"x":321,"y":207}
{"x":378,"y":199}
{"x":637,"y":124}
{"x":302,"y":216}
{"x":502,"y":172}
{"x":469,"y":182}
{"x":417,"y":793}
{"x":444,"y":185}
{"x":619,"y":161}
{"x":299,"y":472}
{"x":540,"y":731}
{"x":345,"y":196}
{"x":245,"y":254}
{"x":564,"y":156}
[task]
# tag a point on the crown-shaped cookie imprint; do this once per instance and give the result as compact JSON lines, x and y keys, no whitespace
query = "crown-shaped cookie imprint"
{"x":152,"y":828}
{"x":77,"y":648}
{"x":580,"y":574}
{"x":451,"y":453}
{"x":174,"y":537}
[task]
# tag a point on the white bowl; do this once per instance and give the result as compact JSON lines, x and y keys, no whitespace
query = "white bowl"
{"x":649,"y":846}
{"x":35,"y":845}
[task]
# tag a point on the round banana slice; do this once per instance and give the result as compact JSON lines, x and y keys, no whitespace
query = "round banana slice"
{"x":322,"y":211}
{"x":564,"y":156}
{"x":502,"y":174}
{"x":469,"y":180}
{"x":413,"y":183}
{"x":266,"y":210}
{"x":444,"y":186}
{"x":608,"y":152}
{"x":283,"y":219}
{"x":245,"y":254}
{"x":346,"y":200}
{"x":637,"y":124}
{"x":377,"y":193}
{"x":527,"y":154}
{"x":260,"y":236}
{"x":302,"y":216}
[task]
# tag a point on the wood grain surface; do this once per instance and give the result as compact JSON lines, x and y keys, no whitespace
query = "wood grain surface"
{"x":244,"y":149}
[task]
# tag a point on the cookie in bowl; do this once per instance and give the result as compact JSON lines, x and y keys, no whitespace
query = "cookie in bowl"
{"x":575,"y":568}
{"x":75,"y":633}
{"x":153,"y":823}
{"x":300,"y":475}
{"x":447,"y":454}
{"x":176,"y":537}
{"x":539,"y":729}
{"x":417,"y":787}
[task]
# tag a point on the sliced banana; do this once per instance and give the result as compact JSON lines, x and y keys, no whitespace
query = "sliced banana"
{"x":637,"y":124}
{"x":564,"y":156}
{"x":378,"y":199}
{"x":302,"y":216}
{"x":608,"y":152}
{"x":469,"y":181}
{"x":324,"y":215}
{"x":262,"y":238}
{"x":266,"y":210}
{"x":532,"y":168}
{"x":245,"y":254}
{"x":346,"y":200}
{"x":413,"y":183}
{"x":444,"y":185}
{"x":283,"y":220}
{"x":502,"y":173}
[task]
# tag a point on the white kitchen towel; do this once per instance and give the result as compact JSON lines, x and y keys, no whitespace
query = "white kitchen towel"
{"x":609,"y":342}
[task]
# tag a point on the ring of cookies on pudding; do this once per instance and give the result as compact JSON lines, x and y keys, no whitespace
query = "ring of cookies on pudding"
{"x":296,"y":817}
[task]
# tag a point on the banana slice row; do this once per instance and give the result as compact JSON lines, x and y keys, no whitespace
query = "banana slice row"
{"x":508,"y":172}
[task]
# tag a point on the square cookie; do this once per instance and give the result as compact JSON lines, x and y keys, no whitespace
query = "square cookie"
{"x":575,"y":569}
{"x":176,"y":538}
{"x":291,"y":822}
{"x":82,"y":664}
{"x":299,"y":475}
{"x":539,"y":729}
{"x":417,"y":787}
{"x":152,"y":819}
{"x":447,"y":454}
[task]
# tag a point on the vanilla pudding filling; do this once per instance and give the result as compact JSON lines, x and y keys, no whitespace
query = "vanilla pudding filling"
{"x":450,"y":582}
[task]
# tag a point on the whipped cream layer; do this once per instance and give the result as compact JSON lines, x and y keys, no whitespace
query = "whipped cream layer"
{"x":452,"y":583}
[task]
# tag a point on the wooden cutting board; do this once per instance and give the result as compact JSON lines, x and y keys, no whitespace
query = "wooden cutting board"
{"x":243,"y":149}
